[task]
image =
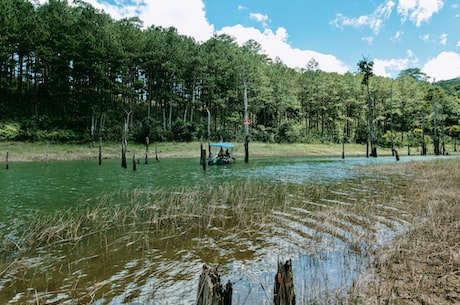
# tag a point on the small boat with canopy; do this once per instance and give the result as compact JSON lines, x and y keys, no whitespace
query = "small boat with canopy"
{"x":221,"y":153}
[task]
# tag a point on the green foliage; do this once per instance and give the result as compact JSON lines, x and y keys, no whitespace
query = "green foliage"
{"x":9,"y":131}
{"x":454,"y":131}
{"x":289,"y":132}
{"x":64,"y":67}
{"x":183,"y":131}
{"x":263,"y":134}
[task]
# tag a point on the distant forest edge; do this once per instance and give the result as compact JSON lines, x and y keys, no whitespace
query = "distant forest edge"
{"x":70,"y":73}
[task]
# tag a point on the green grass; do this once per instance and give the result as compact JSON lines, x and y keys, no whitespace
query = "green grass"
{"x":21,"y":151}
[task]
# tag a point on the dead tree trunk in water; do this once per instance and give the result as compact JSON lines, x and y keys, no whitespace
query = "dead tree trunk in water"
{"x":246,"y":119}
{"x":123,"y":153}
{"x":100,"y":150}
{"x":284,"y":285}
{"x":202,"y":155}
{"x":147,"y":142}
{"x":6,"y":161}
{"x":124,"y":140}
{"x":211,"y":291}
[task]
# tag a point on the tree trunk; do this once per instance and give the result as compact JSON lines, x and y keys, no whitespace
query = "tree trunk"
{"x":147,"y":142}
{"x":210,"y":290}
{"x":284,"y":285}
{"x":100,"y":150}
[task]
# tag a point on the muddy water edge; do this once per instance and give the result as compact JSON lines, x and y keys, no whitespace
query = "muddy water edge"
{"x":145,"y":244}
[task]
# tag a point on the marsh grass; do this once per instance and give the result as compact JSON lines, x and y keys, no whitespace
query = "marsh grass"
{"x":423,"y":265}
{"x":243,"y":205}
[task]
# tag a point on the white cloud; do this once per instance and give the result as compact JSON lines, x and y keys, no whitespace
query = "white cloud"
{"x":188,"y":17}
{"x":392,"y":67}
{"x":397,"y":35}
{"x":443,"y":39}
{"x":419,"y":11}
{"x":426,"y":38}
{"x":458,"y":44}
{"x":443,"y":67}
{"x":374,"y":21}
{"x":275,"y":45}
{"x":263,"y":19}
{"x":369,"y":40}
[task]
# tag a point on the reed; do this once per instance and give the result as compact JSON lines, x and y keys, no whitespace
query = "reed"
{"x":423,"y":265}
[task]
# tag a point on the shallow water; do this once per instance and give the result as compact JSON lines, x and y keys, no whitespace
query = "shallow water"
{"x":326,"y":247}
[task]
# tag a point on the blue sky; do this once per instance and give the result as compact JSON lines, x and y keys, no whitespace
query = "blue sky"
{"x":395,"y":34}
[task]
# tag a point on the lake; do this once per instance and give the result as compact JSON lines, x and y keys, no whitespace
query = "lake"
{"x":323,"y":233}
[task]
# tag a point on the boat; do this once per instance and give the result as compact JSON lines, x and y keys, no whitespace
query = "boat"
{"x":221,"y":154}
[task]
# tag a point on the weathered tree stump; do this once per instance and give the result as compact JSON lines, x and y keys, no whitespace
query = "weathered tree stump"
{"x":211,"y":291}
{"x":156,"y":154}
{"x":203,"y":157}
{"x":134,"y":163}
{"x":147,"y":142}
{"x":123,"y":154}
{"x":100,"y":150}
{"x":284,"y":285}
{"x":6,"y":161}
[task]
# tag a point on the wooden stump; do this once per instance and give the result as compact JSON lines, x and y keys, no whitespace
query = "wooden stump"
{"x":156,"y":154}
{"x":123,"y":154}
{"x":284,"y":285}
{"x":147,"y":142}
{"x":6,"y":161}
{"x":100,"y":150}
{"x":211,"y":291}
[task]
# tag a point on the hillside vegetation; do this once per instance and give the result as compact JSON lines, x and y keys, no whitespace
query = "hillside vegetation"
{"x":71,"y":73}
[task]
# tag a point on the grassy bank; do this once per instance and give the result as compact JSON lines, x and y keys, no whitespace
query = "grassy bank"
{"x":20,"y":151}
{"x":423,"y":265}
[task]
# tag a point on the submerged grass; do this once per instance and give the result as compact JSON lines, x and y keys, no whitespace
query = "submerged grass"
{"x":423,"y":265}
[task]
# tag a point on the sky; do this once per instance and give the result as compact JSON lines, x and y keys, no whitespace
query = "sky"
{"x":395,"y":34}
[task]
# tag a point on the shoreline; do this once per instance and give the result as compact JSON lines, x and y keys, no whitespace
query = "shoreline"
{"x":36,"y":152}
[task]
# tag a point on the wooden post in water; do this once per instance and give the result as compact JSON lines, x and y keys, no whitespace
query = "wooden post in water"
{"x":156,"y":155}
{"x":246,"y":118}
{"x":147,"y":142}
{"x":395,"y":153}
{"x":284,"y":285}
{"x":6,"y":161}
{"x":100,"y":150}
{"x":123,"y":153}
{"x":211,"y":291}
{"x":134,"y":163}
{"x":46,"y":154}
{"x":202,"y":155}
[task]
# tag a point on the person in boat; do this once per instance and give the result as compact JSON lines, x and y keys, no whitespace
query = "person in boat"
{"x":221,"y":152}
{"x":227,"y":153}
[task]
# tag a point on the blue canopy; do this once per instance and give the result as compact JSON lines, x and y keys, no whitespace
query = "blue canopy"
{"x":222,"y":144}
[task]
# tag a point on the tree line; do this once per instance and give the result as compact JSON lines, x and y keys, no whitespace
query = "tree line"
{"x":69,"y":72}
